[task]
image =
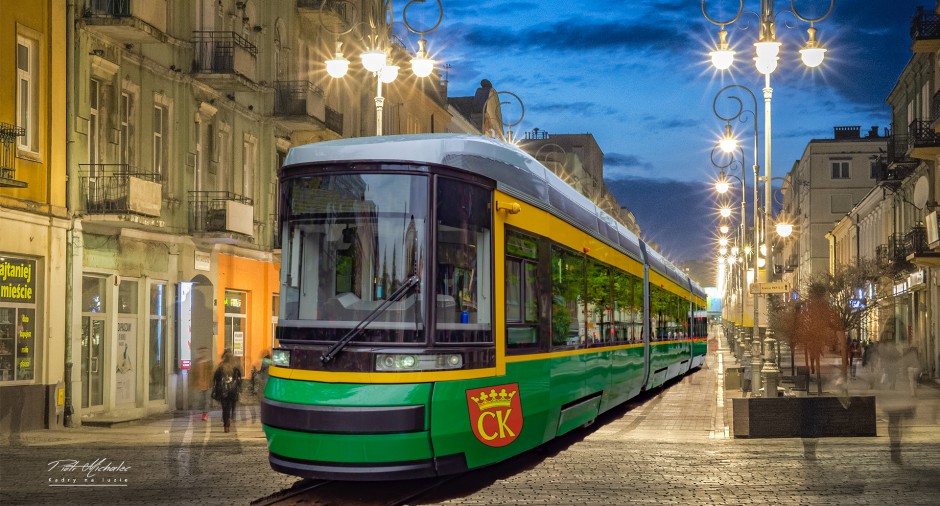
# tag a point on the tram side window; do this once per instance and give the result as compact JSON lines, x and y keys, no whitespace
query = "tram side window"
{"x":464,"y":262}
{"x":567,"y":297}
{"x":627,"y":307}
{"x":659,"y":309}
{"x":598,"y":305}
{"x":522,"y":305}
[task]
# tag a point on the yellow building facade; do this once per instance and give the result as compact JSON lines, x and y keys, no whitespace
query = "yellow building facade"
{"x":34,"y":222}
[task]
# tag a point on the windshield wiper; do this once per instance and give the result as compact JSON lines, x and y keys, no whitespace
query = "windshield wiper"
{"x":409,"y":283}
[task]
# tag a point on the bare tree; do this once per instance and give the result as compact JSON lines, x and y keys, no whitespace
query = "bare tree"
{"x":833,"y":304}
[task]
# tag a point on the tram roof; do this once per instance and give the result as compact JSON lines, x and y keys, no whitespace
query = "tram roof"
{"x":515,"y":172}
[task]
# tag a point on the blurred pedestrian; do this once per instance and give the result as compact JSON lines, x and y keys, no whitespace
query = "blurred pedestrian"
{"x":226,"y":386}
{"x":201,"y":375}
{"x":888,"y":358}
{"x":910,"y":364}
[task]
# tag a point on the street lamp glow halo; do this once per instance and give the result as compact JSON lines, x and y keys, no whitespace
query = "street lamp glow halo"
{"x":725,"y":212}
{"x":724,"y":229}
{"x":784,"y":229}
{"x":722,"y":186}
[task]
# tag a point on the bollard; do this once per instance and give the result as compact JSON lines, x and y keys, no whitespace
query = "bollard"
{"x":770,"y":373}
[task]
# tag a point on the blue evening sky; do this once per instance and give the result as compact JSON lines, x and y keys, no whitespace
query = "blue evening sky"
{"x":636,"y":75}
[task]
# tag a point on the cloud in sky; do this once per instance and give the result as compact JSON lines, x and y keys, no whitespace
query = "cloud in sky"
{"x":636,"y":75}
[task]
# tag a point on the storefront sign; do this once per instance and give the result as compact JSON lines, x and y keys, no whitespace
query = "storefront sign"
{"x":203,"y":261}
{"x":184,"y":345}
{"x":915,"y":278}
{"x":238,"y":344}
{"x":126,"y":385}
{"x":17,"y":280}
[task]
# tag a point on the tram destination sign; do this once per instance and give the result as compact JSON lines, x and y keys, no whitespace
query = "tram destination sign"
{"x":770,"y":287}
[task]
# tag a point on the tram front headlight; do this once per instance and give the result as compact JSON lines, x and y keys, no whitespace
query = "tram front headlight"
{"x":280,"y":357}
{"x":404,"y":362}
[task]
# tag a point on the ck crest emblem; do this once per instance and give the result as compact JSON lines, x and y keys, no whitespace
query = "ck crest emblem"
{"x":495,"y":414}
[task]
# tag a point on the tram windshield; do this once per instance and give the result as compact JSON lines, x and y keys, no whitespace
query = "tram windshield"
{"x":349,"y":241}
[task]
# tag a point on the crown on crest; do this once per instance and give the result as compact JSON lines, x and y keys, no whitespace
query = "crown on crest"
{"x":494,"y":400}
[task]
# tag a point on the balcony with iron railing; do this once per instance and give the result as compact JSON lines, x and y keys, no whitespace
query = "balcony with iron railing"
{"x":917,"y":247}
{"x":925,"y":31}
{"x":223,"y":215}
{"x":301,"y":106}
{"x":128,"y":21}
{"x":924,"y":140}
{"x":895,"y":165}
{"x":332,"y":13}
{"x":121,"y":191}
{"x":8,"y":135}
{"x":225,"y":60}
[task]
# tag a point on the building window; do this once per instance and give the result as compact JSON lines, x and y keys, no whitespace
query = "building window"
{"x":840,"y":169}
{"x":157,"y":356}
{"x":249,"y":146}
{"x":27,"y":92}
{"x":18,"y":320}
{"x":93,"y":122}
{"x":125,"y":118}
{"x":159,"y":138}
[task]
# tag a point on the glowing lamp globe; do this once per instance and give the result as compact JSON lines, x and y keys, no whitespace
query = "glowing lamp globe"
{"x":724,"y":229}
{"x":761,"y":262}
{"x":722,"y":251}
{"x":338,"y":66}
{"x":812,"y":56}
{"x":722,"y":186}
{"x":723,"y":241}
{"x":725,"y":212}
{"x":422,"y":66}
{"x":373,"y":60}
{"x":388,"y":73}
{"x":766,"y":60}
{"x":722,"y":58}
{"x":784,"y":229}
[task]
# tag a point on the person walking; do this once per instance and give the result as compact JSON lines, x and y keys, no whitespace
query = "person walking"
{"x":202,"y":375}
{"x":226,"y":385}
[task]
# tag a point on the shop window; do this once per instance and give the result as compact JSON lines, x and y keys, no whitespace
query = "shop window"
{"x":157,"y":355}
{"x":275,"y":303}
{"x":17,"y":319}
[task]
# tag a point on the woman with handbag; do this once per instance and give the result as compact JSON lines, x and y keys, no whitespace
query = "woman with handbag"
{"x":226,"y":385}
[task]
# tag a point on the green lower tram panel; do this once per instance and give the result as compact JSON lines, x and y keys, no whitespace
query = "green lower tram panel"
{"x":396,"y":431}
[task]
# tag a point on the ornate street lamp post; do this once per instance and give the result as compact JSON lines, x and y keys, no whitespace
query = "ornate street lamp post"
{"x":375,"y":58}
{"x":767,"y":49}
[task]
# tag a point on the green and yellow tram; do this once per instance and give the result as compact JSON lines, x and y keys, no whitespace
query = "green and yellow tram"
{"x":447,"y":302}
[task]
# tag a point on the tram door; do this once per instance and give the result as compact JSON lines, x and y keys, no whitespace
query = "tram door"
{"x":92,"y":361}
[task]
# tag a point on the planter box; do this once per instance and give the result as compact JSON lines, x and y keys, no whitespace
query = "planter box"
{"x":803,"y":417}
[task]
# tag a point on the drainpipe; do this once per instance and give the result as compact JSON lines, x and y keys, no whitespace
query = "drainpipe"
{"x":69,"y":266}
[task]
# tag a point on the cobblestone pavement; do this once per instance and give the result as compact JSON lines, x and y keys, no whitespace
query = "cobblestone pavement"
{"x":675,"y":447}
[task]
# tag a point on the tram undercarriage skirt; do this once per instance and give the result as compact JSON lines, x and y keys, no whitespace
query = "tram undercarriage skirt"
{"x":385,"y":471}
